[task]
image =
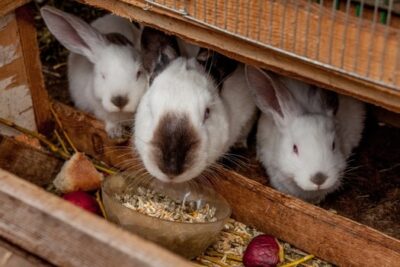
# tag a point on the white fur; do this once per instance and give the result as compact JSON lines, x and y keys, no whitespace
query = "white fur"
{"x":312,"y":127}
{"x":189,"y":90}
{"x":100,"y":70}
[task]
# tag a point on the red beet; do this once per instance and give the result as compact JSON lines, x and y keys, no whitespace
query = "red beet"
{"x":262,"y":251}
{"x":83,"y":200}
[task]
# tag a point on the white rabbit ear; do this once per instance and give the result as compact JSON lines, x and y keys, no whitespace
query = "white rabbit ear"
{"x":270,"y":94}
{"x":75,"y":34}
{"x":158,"y":49}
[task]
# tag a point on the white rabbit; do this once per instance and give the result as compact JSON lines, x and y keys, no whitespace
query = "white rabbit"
{"x":305,"y":134}
{"x":105,"y":71}
{"x":187,"y":119}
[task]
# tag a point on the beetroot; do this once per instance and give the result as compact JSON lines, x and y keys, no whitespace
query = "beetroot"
{"x":83,"y":200}
{"x":262,"y":251}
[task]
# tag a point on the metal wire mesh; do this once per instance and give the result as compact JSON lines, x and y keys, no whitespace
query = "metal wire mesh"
{"x":358,"y":38}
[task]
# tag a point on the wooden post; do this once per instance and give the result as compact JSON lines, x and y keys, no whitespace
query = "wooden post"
{"x":33,"y":68}
{"x":23,"y":98}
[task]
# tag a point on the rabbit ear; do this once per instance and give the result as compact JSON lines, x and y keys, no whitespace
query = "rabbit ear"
{"x":330,"y":100}
{"x":270,"y":94}
{"x":159,"y":49}
{"x":323,"y":101}
{"x":217,"y":65}
{"x":75,"y":34}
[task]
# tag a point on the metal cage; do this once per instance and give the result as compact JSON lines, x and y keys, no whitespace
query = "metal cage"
{"x":357,"y":38}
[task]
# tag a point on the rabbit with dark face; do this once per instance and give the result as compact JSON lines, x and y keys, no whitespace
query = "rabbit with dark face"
{"x":305,"y":134}
{"x":105,"y":72}
{"x":193,"y":111}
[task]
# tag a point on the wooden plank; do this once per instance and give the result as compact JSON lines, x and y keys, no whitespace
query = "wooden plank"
{"x":249,"y":53}
{"x":65,"y":235}
{"x":12,"y":256}
{"x":33,"y":165}
{"x":33,"y":68}
{"x":330,"y":236}
{"x":6,"y":6}
{"x":13,"y":81}
{"x":88,"y":134}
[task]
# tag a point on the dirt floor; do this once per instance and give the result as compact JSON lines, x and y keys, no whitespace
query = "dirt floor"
{"x":371,"y":191}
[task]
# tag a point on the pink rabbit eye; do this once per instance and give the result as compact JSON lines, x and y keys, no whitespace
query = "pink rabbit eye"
{"x":206,"y":114}
{"x":295,"y":149}
{"x":333,"y":145}
{"x":138,"y":74}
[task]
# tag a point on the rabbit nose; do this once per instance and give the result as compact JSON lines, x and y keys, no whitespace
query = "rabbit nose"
{"x":319,"y":178}
{"x":119,"y":101}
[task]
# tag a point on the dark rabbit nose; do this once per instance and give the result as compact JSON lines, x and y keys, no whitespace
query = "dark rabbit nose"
{"x":173,"y":167}
{"x":119,"y":101}
{"x":319,"y":178}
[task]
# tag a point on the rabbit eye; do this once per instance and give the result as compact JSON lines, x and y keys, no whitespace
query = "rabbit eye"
{"x":295,"y":149}
{"x":333,"y":145}
{"x":103,"y":76}
{"x":138,"y":74}
{"x":206,"y":114}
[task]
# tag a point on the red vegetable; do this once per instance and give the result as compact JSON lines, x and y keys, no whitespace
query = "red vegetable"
{"x":83,"y":200}
{"x":263,"y":251}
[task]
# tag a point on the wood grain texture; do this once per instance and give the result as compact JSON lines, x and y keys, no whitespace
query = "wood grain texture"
{"x":7,"y":6}
{"x":65,"y":235}
{"x":15,"y":98}
{"x":315,"y":230}
{"x":246,"y":52}
{"x":33,"y":69}
{"x":89,"y":136}
{"x":13,"y":256}
{"x":33,"y":165}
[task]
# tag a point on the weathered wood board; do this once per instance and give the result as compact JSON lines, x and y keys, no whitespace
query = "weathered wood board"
{"x":23,"y":98}
{"x":12,"y":256}
{"x":15,"y":97}
{"x":7,"y":6}
{"x":33,"y":165}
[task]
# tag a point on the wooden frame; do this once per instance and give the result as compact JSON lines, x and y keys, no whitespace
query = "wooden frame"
{"x":7,"y":6}
{"x":33,"y":67}
{"x":242,"y":50}
{"x":21,"y":78}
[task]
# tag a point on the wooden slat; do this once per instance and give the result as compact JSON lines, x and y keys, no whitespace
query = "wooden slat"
{"x":12,"y":256}
{"x":33,"y":69}
{"x":15,"y":97}
{"x":331,"y":237}
{"x":65,"y":235}
{"x":88,"y":134}
{"x":24,"y":161}
{"x":7,"y":6}
{"x":252,"y":54}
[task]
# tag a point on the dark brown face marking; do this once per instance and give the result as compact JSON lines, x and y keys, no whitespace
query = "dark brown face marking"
{"x":117,"y":39}
{"x":175,"y":142}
